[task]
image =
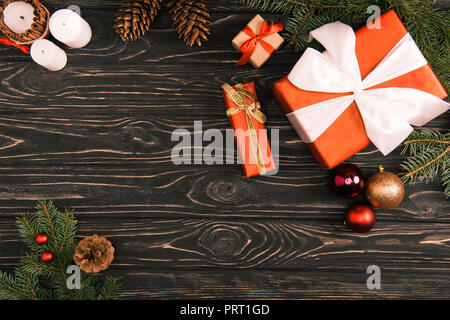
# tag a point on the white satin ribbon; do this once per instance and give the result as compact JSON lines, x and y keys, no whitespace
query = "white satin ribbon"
{"x":387,"y":112}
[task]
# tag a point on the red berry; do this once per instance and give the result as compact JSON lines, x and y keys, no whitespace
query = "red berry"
{"x":42,"y":238}
{"x":47,"y":256}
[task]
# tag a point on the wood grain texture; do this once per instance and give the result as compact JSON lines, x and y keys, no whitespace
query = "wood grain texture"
{"x":96,"y":137}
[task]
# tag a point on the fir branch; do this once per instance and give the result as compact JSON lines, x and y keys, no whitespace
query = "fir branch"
{"x":63,"y":277}
{"x":28,"y":229}
{"x":22,"y":286}
{"x":425,"y":140}
{"x":89,"y":288}
{"x":318,"y":6}
{"x":22,"y":295}
{"x":295,"y":34}
{"x":110,"y":287}
{"x":28,"y":226}
{"x":33,"y":264}
{"x":31,"y":284}
{"x":43,"y":207}
{"x":427,"y":164}
{"x":66,"y":231}
{"x":9,"y":288}
{"x":50,"y":220}
{"x":284,"y":7}
{"x":428,"y":158}
{"x":61,"y":228}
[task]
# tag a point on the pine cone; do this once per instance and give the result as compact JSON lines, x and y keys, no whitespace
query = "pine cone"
{"x":191,"y":19}
{"x":94,"y":254}
{"x":134,"y":17}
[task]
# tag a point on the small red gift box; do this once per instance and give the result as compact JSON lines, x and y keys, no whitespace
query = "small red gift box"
{"x":258,"y":41}
{"x":347,"y":134}
{"x":247,"y":121}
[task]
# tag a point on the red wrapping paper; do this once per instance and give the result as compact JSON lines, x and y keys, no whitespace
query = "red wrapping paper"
{"x":239,"y":121}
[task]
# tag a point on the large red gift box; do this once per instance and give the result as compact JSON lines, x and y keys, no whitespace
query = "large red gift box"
{"x":347,"y":135}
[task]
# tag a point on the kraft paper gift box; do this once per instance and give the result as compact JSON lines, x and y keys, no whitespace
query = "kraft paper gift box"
{"x":257,"y":158}
{"x":261,"y":54}
{"x":347,"y":134}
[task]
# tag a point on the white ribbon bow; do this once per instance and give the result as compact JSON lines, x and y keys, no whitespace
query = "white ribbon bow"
{"x":387,"y":112}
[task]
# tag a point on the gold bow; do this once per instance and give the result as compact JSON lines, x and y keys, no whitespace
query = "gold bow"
{"x":251,"y":110}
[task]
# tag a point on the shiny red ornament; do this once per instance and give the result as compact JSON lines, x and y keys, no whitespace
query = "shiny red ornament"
{"x":42,"y":238}
{"x":360,"y":218}
{"x":47,"y":256}
{"x":347,"y":180}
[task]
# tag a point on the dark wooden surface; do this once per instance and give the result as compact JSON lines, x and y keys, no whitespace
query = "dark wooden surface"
{"x":95,"y":137}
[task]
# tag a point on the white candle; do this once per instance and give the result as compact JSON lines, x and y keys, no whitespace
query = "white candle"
{"x":69,"y":28}
{"x":18,"y":16}
{"x":48,"y":55}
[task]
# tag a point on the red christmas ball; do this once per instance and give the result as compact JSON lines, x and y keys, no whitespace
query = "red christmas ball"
{"x":360,"y":218}
{"x":47,"y":256}
{"x":42,"y":238}
{"x":347,"y":180}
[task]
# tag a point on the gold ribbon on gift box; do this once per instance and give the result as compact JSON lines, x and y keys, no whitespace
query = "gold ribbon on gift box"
{"x":251,"y":111}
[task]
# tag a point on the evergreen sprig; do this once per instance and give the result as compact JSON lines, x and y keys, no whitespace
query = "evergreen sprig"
{"x":427,"y":25}
{"x":27,"y":281}
{"x":428,"y":157}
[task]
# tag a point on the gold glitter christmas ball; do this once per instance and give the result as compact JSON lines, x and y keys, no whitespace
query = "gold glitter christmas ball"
{"x":384,"y":190}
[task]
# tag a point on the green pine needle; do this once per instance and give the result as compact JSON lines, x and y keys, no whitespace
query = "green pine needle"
{"x":25,"y":283}
{"x":110,"y":288}
{"x":12,"y":288}
{"x":428,"y":158}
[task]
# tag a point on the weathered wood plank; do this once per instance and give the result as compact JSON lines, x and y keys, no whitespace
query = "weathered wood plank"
{"x":255,"y":284}
{"x":173,"y":244}
{"x":140,"y":140}
{"x":187,"y":191}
